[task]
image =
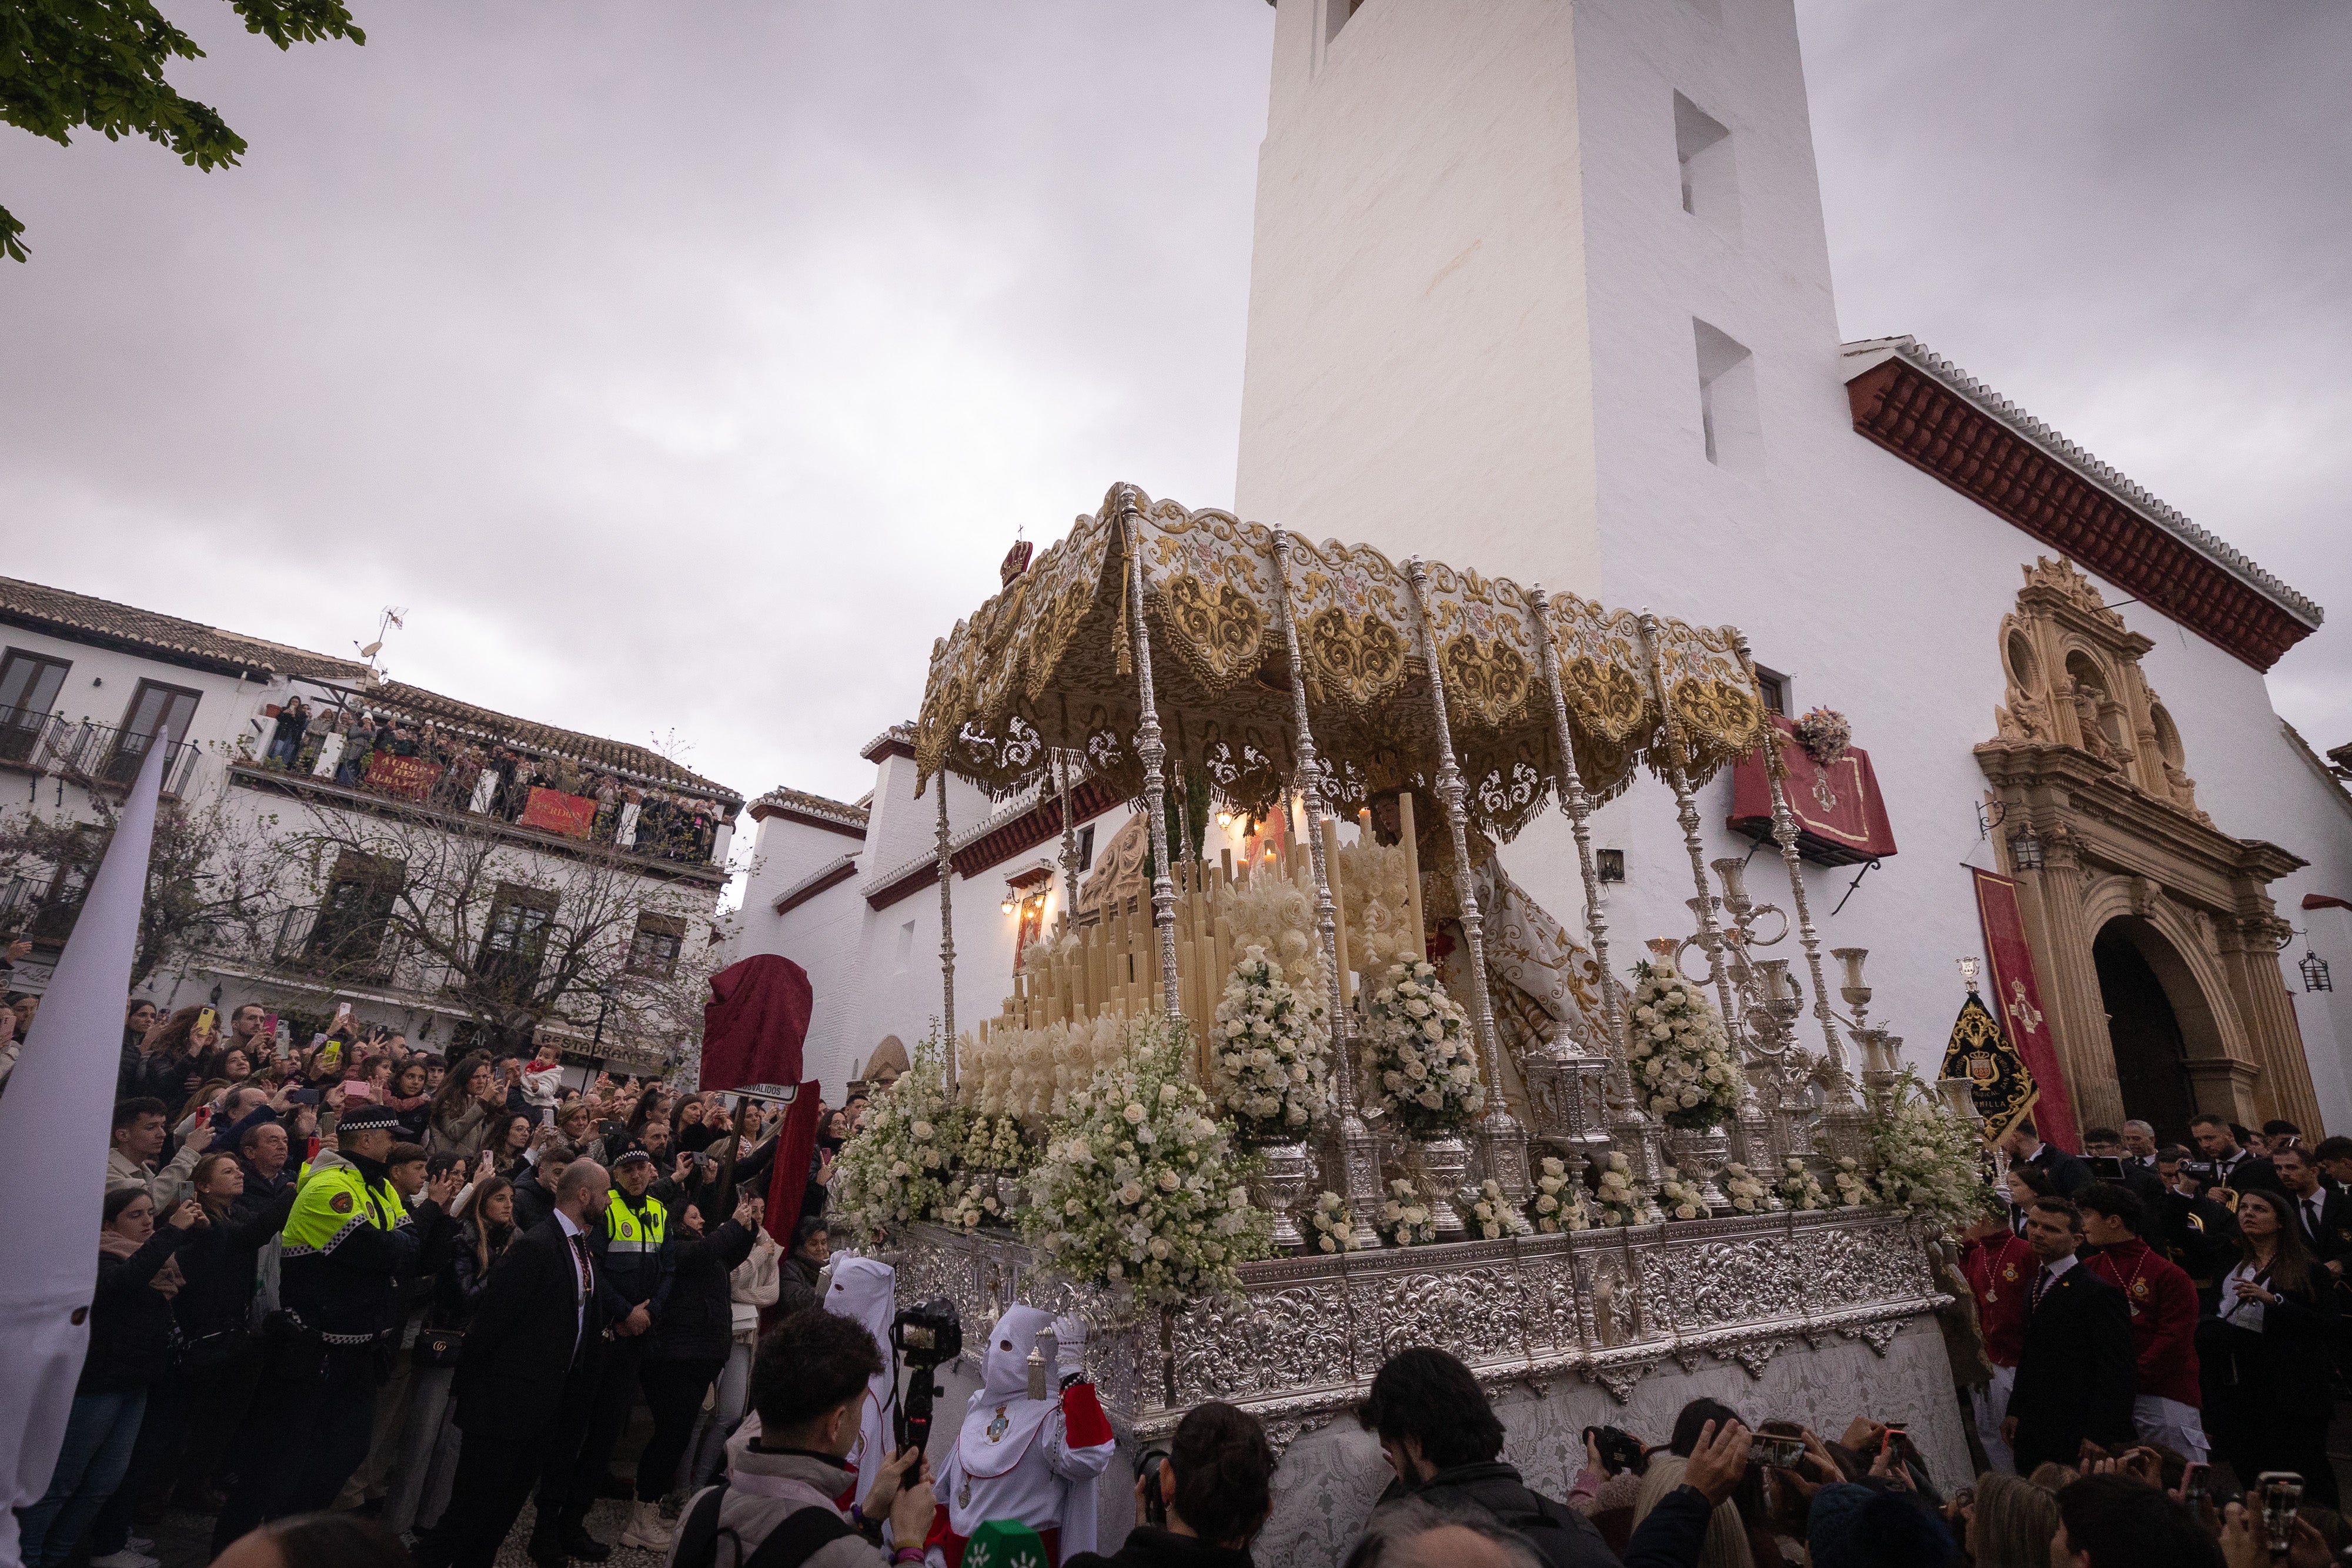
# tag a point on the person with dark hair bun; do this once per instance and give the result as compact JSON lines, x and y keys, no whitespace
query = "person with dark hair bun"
{"x":1217,"y":1488}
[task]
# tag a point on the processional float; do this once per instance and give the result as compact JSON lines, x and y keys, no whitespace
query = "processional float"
{"x":1152,"y":637}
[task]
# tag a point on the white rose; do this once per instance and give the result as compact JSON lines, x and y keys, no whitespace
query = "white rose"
{"x":922,"y":1129}
{"x":1134,"y":1113}
{"x":1130,"y":1194}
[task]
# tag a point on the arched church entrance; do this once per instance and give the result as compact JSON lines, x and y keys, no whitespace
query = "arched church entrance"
{"x":2144,"y":1029}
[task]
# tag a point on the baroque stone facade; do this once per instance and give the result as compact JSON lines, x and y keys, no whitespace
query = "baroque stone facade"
{"x":2086,"y":756}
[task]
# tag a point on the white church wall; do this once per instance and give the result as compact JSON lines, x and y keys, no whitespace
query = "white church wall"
{"x":1449,"y":220}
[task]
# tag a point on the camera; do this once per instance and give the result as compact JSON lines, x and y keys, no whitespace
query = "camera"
{"x":1155,"y":1506}
{"x":924,"y":1337}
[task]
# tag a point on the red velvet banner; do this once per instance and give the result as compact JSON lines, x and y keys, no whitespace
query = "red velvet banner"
{"x":794,"y":1145}
{"x":409,"y":776}
{"x":2015,"y":996}
{"x":573,"y":815}
{"x":1838,"y":811}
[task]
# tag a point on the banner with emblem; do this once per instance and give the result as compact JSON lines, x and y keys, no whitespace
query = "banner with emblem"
{"x":2017,"y":999}
{"x":2001,"y":1083}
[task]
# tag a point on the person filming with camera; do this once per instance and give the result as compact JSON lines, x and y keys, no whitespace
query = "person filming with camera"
{"x":809,"y":1385}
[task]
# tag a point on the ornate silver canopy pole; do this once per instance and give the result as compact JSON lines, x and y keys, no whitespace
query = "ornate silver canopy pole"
{"x":1359,"y":1163}
{"x":947,"y":932}
{"x":1844,"y":1112}
{"x":1634,"y":1130}
{"x":1501,"y":1140}
{"x":1153,"y":751}
{"x":1069,"y":844}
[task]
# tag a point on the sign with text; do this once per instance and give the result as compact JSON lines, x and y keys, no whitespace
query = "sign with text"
{"x":571,"y":815}
{"x":410,"y":776}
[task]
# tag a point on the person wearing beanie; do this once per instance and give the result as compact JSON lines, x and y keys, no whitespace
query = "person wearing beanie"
{"x":345,"y":1247}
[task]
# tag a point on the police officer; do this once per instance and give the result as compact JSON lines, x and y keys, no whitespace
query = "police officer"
{"x":344,"y":1249}
{"x":633,"y":1284}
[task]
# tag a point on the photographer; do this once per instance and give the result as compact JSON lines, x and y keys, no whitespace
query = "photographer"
{"x":1200,"y":1506}
{"x":808,"y":1384}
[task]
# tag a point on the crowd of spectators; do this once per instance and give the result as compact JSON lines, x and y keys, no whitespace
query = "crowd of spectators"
{"x":361,"y":1281}
{"x":463,"y":774}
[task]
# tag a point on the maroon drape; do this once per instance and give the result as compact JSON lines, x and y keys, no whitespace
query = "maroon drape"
{"x":753,"y":1025}
{"x":789,"y":1181}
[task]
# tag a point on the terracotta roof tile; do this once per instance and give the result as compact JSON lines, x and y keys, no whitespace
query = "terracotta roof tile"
{"x":101,"y":620}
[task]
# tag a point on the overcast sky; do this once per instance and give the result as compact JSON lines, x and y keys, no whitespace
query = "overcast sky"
{"x":688,"y":368}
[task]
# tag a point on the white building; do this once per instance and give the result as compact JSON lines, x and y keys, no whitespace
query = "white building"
{"x":87,"y":686}
{"x":1542,"y":289}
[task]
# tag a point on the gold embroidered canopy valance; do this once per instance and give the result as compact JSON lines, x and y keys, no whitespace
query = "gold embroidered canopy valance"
{"x":1048,"y":665}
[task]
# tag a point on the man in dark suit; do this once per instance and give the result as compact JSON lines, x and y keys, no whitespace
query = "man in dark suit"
{"x":2076,"y":1372}
{"x":2025,"y":1146}
{"x":2234,"y":1169}
{"x":532,"y":1353}
{"x":2324,"y":1217}
{"x":2139,"y":1180}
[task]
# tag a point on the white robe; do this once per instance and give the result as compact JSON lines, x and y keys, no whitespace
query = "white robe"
{"x":1013,"y":1459}
{"x":863,"y":1290}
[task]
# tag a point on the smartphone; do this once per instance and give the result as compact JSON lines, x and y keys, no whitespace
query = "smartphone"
{"x":204,"y":1115}
{"x":204,"y":1019}
{"x":1155,"y":1506}
{"x":1893,"y":1439}
{"x":311,"y":1149}
{"x":330,"y":1056}
{"x":358,"y":1089}
{"x":2192,"y":1489}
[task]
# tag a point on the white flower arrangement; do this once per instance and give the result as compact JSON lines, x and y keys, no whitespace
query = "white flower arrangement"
{"x":1853,"y":1183}
{"x":1798,"y":1189}
{"x":1031,"y":1073}
{"x":1617,"y":1202}
{"x":1680,"y":1055}
{"x":893,"y":1171}
{"x":1928,"y":1162}
{"x":1333,"y":1226}
{"x":1680,"y":1198}
{"x":1558,"y":1204}
{"x":1140,"y":1190}
{"x":1746,"y":1194}
{"x":1488,"y":1210}
{"x":1404,"y":1218}
{"x":970,"y":1202}
{"x":1269,"y":1054}
{"x":1425,"y":1069}
{"x":1274,"y":911}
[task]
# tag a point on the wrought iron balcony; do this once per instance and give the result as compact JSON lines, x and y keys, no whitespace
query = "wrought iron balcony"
{"x":108,"y":757}
{"x":32,"y":739}
{"x":320,"y":940}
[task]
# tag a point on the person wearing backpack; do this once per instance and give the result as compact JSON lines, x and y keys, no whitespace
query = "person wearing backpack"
{"x":777,"y":1509}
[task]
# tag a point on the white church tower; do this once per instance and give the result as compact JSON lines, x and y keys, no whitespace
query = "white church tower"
{"x":1542,"y":287}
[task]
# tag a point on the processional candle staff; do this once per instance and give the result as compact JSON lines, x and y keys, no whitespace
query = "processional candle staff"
{"x":947,"y":935}
{"x":1503,"y":1141}
{"x":1359,"y":1152}
{"x":1153,"y":752}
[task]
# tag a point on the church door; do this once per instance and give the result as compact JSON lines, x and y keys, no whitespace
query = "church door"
{"x":2151,"y":1057}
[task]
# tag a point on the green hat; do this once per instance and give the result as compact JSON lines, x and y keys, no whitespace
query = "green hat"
{"x":1003,"y":1543}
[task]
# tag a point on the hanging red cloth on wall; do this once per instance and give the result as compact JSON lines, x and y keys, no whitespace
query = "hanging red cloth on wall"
{"x":2016,"y":1001}
{"x":1840,"y":816}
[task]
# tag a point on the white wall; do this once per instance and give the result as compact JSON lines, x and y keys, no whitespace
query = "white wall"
{"x":1472,"y":336}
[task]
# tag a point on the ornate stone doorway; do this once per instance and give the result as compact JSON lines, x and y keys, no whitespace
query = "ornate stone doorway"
{"x":2143,"y":1026}
{"x":2091,"y":779}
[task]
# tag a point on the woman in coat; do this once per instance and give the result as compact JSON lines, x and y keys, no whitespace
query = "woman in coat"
{"x":462,"y":1111}
{"x":750,"y":1288}
{"x":2273,"y":1323}
{"x":193,"y":1413}
{"x":689,"y":1344}
{"x":431,"y":1441}
{"x":130,"y":1349}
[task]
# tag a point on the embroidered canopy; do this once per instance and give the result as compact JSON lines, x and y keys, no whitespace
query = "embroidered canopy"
{"x":1048,"y":665}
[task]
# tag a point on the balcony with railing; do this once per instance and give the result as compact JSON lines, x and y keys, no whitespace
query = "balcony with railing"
{"x":333,"y":942}
{"x":33,"y":741}
{"x":41,"y":910}
{"x":653,"y":825}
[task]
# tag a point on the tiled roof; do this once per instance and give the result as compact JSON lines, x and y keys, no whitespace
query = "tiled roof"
{"x":640,"y":760}
{"x":167,"y":637}
{"x":801,"y":802}
{"x":897,"y":741}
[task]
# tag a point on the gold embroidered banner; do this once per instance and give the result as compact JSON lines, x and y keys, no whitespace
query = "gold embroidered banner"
{"x":2001,"y":1083}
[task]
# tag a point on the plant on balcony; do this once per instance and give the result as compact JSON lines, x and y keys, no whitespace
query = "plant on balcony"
{"x":1681,"y":1057}
{"x":1826,"y":734}
{"x":1141,"y":1190}
{"x":1425,"y":1069}
{"x":1269,"y":1054}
